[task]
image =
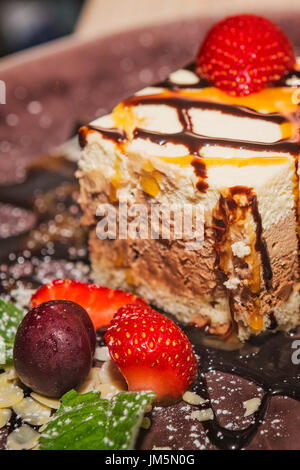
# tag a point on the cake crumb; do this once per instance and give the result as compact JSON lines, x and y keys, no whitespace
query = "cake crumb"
{"x":240,"y":249}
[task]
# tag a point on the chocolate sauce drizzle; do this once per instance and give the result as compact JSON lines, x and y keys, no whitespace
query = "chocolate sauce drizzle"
{"x":194,"y":142}
{"x":117,"y":135}
{"x":184,"y":103}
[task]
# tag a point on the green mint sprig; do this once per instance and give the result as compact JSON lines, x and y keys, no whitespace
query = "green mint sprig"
{"x":88,"y":422}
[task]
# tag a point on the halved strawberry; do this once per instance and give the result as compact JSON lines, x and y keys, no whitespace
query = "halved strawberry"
{"x":151,"y":352}
{"x":101,"y":303}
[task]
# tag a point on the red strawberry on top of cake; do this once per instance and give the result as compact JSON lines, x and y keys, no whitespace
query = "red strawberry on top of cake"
{"x":243,"y":53}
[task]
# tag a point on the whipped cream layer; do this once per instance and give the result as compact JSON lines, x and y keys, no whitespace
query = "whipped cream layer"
{"x":184,"y":141}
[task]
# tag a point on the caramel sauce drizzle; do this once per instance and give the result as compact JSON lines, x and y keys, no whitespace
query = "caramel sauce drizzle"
{"x":233,"y":210}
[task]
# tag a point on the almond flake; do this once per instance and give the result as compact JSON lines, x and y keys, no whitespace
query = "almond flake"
{"x":5,"y":414}
{"x":111,"y":389}
{"x":92,"y":381}
{"x":203,"y":415}
{"x":193,"y":399}
{"x":23,"y":438}
{"x":102,"y":354}
{"x":109,"y":372}
{"x":251,"y":406}
{"x":50,"y":402}
{"x":37,"y":447}
{"x":42,"y":428}
{"x":32,"y":412}
{"x":10,"y":394}
{"x":10,"y":373}
{"x":86,"y":387}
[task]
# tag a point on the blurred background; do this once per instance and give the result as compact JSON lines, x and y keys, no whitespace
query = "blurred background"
{"x":26,"y":23}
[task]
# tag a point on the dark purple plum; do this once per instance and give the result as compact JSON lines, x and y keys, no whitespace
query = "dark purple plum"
{"x":54,"y":347}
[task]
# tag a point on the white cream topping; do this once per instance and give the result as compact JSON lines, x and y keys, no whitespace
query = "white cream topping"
{"x":293,"y":81}
{"x":184,"y":77}
{"x":213,"y":123}
{"x":149,"y":90}
{"x":104,"y":121}
{"x":158,"y":118}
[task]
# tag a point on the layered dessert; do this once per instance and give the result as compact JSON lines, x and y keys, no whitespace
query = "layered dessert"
{"x":222,"y":136}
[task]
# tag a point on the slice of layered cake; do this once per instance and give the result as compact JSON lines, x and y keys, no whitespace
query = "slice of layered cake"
{"x":221,"y":134}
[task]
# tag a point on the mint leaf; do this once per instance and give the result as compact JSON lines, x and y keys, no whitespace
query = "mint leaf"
{"x":10,"y":318}
{"x":88,"y":422}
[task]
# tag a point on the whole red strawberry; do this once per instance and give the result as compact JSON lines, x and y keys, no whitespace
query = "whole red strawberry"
{"x":242,"y":54}
{"x":151,"y":352}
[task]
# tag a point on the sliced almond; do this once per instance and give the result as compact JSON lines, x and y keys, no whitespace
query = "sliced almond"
{"x":5,"y":415}
{"x":94,"y":375}
{"x":10,"y":373}
{"x":111,"y":389}
{"x":86,"y":387}
{"x":37,"y":447}
{"x":32,"y":412}
{"x":203,"y":415}
{"x":50,"y":402}
{"x":193,"y":398}
{"x":251,"y":406}
{"x":92,"y":381}
{"x":10,"y":394}
{"x":109,"y":372}
{"x":102,"y":354}
{"x":23,"y":438}
{"x":42,"y":428}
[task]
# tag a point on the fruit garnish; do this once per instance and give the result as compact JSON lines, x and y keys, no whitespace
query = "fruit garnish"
{"x":10,"y":318}
{"x":54,"y":347}
{"x":151,"y":352}
{"x":100,"y":302}
{"x":87,"y":422}
{"x":242,"y":54}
